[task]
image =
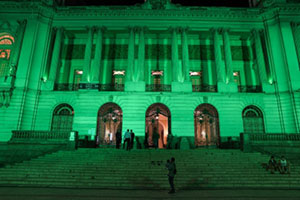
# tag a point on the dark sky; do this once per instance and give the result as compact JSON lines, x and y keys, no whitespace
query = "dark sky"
{"x":229,"y":3}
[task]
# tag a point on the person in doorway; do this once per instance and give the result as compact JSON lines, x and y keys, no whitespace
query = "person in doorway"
{"x":127,"y":140}
{"x":131,"y":139}
{"x":155,"y":138}
{"x":171,"y":166}
{"x":118,"y":139}
{"x":169,"y":141}
{"x":284,"y":166}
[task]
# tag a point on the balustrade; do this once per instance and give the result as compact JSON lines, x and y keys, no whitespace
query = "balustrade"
{"x":204,"y":88}
{"x":158,"y":88}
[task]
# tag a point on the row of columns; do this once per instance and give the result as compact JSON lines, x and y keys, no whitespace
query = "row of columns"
{"x":136,"y":73}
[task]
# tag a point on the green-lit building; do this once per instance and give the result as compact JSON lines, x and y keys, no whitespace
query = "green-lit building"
{"x":207,"y":73}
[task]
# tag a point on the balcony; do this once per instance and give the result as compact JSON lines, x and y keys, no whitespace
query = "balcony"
{"x":158,"y":88}
{"x":205,"y":88}
{"x":88,"y":86}
{"x":250,"y":89}
{"x":111,"y":87}
{"x":65,"y":87}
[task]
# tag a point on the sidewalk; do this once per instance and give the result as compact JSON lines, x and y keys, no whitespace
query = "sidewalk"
{"x":11,"y":193}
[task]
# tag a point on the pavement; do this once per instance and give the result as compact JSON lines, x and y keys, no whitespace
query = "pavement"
{"x":16,"y":193}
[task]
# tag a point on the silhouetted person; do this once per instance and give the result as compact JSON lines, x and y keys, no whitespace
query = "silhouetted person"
{"x":118,"y":139}
{"x":131,"y":139}
{"x":172,"y":172}
{"x":169,"y":141}
{"x":146,"y":140}
{"x":155,"y":138}
{"x":272,"y":165}
{"x":127,"y":140}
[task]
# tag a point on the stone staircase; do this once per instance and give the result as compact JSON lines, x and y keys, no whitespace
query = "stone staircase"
{"x":145,"y":169}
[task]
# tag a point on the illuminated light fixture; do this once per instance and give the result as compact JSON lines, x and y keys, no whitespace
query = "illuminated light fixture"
{"x":195,"y":73}
{"x":116,"y":72}
{"x":236,"y":73}
{"x":79,"y":72}
{"x":157,"y":73}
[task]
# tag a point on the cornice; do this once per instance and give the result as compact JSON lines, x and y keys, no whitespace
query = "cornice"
{"x":27,"y":8}
{"x":215,"y":13}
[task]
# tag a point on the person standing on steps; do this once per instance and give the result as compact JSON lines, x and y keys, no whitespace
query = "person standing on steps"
{"x":118,"y":139}
{"x":171,"y":166}
{"x":127,"y":140}
{"x":131,"y":139}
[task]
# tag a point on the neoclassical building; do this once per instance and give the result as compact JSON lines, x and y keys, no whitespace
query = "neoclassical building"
{"x":207,"y":73}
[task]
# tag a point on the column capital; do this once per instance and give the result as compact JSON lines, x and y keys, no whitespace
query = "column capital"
{"x":224,"y":30}
{"x":174,"y":29}
{"x":257,"y":30}
{"x":295,"y":24}
{"x":100,"y":28}
{"x":183,"y":29}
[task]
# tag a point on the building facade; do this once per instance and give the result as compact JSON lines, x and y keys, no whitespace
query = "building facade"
{"x":208,"y":73}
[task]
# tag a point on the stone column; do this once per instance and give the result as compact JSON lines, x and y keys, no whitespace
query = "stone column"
{"x":260,"y":62}
{"x":56,"y":54}
{"x":130,"y":65}
{"x":140,"y":74}
{"x":18,"y":46}
{"x":185,"y":55}
{"x":176,"y":72}
{"x":228,"y":56}
{"x":218,"y":57}
{"x":296,"y":28}
{"x":95,"y":76}
{"x":88,"y":56}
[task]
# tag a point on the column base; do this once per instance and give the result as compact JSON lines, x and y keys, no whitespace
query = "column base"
{"x":135,"y":86}
{"x":268,"y":88}
{"x":182,"y":87}
{"x":230,"y":87}
{"x":48,"y":85}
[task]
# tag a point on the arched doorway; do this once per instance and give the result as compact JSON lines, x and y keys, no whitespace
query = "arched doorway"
{"x":158,"y":120}
{"x":62,"y":118}
{"x":253,"y":120}
{"x":109,"y":121}
{"x":206,"y":121}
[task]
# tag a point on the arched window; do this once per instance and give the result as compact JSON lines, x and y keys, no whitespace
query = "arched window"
{"x":62,"y":119}
{"x":6,"y":46}
{"x":253,"y":120}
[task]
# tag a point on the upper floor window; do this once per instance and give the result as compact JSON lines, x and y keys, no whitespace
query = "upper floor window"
{"x":6,"y":46}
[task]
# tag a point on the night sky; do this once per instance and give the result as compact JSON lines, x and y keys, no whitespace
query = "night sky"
{"x":228,"y":3}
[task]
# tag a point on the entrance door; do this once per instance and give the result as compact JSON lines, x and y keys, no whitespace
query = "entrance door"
{"x":108,"y":124}
{"x":206,"y":126}
{"x":158,"y":118}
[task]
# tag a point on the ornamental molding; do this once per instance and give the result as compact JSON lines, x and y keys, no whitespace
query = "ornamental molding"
{"x":214,"y":13}
{"x":152,"y":8}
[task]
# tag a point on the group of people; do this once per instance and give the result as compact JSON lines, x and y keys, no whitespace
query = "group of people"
{"x":282,"y":165}
{"x":128,"y":140}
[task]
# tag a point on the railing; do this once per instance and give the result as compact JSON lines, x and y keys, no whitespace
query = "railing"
{"x":65,"y":87}
{"x":274,"y":137}
{"x":88,"y":86}
{"x":158,"y":88}
{"x":250,"y":89}
{"x":111,"y":87}
{"x":40,"y":135}
{"x":205,"y":88}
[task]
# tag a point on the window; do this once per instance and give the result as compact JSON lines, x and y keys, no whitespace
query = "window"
{"x":6,"y":46}
{"x":62,"y":119}
{"x":253,"y":120}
